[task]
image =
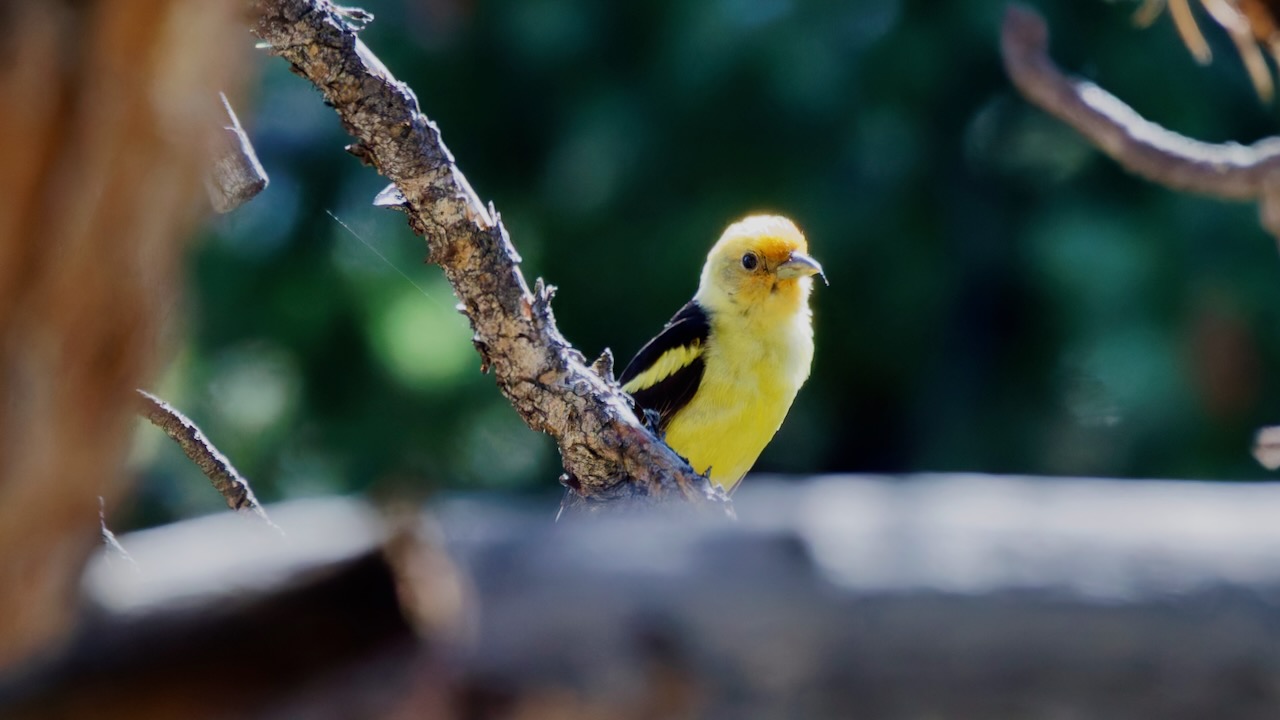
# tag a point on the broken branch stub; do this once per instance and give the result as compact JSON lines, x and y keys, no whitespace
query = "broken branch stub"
{"x":235,"y":176}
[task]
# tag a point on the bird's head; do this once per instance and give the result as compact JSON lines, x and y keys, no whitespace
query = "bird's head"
{"x":759,"y":261}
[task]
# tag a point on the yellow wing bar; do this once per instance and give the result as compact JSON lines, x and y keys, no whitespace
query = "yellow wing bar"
{"x":667,"y":364}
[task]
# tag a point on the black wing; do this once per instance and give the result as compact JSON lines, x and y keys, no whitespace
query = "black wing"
{"x":688,"y":328}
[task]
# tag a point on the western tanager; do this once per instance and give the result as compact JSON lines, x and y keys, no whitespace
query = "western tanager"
{"x":723,"y":372}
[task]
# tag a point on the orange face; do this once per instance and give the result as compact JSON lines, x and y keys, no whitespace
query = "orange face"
{"x":759,"y":260}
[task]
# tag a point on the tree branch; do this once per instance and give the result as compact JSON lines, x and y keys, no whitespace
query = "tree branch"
{"x":215,"y":466}
{"x":607,"y":453}
{"x":1228,"y":170}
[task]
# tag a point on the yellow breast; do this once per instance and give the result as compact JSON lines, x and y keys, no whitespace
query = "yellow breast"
{"x":754,"y":368}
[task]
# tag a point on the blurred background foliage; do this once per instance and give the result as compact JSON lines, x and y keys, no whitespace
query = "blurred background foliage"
{"x":1002,"y":298}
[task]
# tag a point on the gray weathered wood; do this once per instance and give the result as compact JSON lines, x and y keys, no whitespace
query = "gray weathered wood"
{"x":936,"y":596}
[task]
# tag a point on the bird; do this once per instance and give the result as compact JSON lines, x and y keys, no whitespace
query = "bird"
{"x":722,"y":374}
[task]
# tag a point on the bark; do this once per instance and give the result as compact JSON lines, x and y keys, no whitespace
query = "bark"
{"x":229,"y":483}
{"x":608,"y":455}
{"x":108,"y":108}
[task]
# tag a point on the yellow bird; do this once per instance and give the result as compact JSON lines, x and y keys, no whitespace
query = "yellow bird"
{"x":723,"y":372}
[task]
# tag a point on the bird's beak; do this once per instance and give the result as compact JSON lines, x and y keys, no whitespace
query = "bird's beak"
{"x":800,"y":265}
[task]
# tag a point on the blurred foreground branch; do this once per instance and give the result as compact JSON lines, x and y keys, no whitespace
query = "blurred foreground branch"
{"x":1228,"y":170}
{"x":108,"y":110}
{"x":215,"y":466}
{"x":959,"y":597}
{"x":220,"y":619}
{"x":608,"y":455}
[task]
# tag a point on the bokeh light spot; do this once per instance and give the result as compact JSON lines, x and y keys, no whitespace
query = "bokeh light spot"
{"x":423,"y":341}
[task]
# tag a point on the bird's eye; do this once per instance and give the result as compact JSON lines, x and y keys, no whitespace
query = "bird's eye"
{"x":750,"y":261}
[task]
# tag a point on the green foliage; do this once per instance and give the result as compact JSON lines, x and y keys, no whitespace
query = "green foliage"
{"x":1002,"y":299}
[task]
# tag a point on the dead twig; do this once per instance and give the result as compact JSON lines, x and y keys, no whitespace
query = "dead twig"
{"x":1225,"y":170}
{"x":607,"y":453}
{"x":215,"y":466}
